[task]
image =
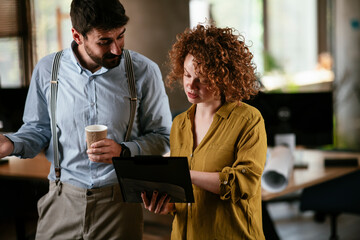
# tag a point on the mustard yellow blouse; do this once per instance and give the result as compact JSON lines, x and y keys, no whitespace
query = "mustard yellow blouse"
{"x":235,"y":145}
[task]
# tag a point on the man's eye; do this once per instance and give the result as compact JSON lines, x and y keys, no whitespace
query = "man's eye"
{"x":103,"y":43}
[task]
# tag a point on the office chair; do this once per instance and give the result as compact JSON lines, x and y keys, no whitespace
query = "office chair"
{"x":340,"y":195}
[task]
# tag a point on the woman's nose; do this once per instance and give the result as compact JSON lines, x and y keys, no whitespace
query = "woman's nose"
{"x":190,"y":83}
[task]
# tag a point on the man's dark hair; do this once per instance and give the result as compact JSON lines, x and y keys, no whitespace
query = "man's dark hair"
{"x":100,"y":14}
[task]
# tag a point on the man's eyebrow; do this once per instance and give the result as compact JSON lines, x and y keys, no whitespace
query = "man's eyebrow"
{"x":122,"y":32}
{"x":107,"y":38}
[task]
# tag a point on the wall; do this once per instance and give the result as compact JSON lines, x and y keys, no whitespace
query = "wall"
{"x":152,"y":30}
{"x":347,"y":73}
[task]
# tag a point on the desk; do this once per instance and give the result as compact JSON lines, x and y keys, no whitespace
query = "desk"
{"x":35,"y":168}
{"x":22,"y":182}
{"x":313,"y":175}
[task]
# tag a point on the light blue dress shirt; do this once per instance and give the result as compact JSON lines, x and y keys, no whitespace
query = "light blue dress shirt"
{"x":86,"y":98}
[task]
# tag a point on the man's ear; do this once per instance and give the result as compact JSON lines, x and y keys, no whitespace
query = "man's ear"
{"x":78,"y":38}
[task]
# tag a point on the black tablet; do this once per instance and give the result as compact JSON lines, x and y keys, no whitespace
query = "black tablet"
{"x":168,"y":175}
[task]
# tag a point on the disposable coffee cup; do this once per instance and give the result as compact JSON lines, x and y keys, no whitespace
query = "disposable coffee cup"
{"x":95,"y":133}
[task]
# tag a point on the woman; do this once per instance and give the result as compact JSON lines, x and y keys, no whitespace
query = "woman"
{"x":223,"y":138}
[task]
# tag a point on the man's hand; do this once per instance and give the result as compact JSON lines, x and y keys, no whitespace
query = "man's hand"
{"x":104,"y":150}
{"x":6,"y":146}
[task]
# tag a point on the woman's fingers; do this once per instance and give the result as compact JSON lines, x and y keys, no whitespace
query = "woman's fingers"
{"x":160,"y":204}
{"x":145,"y":200}
{"x":153,"y":201}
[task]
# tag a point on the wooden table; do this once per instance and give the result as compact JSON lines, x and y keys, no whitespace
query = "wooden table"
{"x":302,"y":178}
{"x":315,"y":173}
{"x":35,"y":168}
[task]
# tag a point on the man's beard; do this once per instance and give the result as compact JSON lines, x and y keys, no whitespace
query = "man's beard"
{"x":108,"y":60}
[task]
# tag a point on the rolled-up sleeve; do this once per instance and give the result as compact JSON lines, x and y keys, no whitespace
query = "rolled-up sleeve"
{"x":241,"y":181}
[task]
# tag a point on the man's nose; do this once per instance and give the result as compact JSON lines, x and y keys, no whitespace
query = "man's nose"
{"x":116,"y":49}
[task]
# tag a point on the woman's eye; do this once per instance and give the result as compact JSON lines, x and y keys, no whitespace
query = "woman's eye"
{"x":204,"y":81}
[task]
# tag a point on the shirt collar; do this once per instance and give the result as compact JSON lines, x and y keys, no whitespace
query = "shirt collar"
{"x":191,"y":111}
{"x":224,"y":111}
{"x":74,"y":59}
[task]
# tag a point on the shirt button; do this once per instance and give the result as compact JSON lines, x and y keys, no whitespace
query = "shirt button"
{"x":244,"y":196}
{"x":243,"y":170}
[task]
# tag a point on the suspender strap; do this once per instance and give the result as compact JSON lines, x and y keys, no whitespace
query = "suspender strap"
{"x":53,"y":99}
{"x":132,"y":90}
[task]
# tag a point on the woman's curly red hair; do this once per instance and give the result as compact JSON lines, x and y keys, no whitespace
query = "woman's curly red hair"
{"x":222,"y":60}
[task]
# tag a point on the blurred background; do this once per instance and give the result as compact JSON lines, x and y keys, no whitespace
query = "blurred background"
{"x":308,"y":46}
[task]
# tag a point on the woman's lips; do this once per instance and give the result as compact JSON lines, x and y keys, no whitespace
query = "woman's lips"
{"x":192,"y":95}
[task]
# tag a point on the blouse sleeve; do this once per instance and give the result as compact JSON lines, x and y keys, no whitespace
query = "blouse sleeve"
{"x":242,"y":180}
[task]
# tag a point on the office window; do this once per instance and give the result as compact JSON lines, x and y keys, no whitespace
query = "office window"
{"x":29,"y":30}
{"x":293,"y":62}
{"x":246,"y":16}
{"x":10,"y":74}
{"x":284,"y":37}
{"x":53,"y":26}
{"x":199,"y":12}
{"x":292,"y":35}
{"x":16,"y":43}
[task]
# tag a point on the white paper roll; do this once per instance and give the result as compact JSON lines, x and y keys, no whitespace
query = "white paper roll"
{"x":278,"y":169}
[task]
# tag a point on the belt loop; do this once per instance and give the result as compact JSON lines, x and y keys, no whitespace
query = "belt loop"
{"x":113,"y":192}
{"x":59,"y":187}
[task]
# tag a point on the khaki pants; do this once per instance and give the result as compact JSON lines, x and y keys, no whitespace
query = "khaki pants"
{"x":76,"y":213}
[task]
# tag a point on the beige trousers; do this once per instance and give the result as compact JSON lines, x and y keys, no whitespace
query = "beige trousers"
{"x":75,"y":213}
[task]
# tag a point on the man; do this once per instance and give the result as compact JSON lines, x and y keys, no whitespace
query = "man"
{"x":92,"y":89}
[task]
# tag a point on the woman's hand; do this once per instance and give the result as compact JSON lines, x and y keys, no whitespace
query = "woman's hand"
{"x":104,"y":150}
{"x":162,"y":206}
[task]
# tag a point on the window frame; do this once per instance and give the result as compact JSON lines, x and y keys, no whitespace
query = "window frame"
{"x":22,"y":29}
